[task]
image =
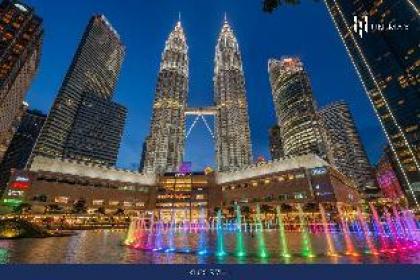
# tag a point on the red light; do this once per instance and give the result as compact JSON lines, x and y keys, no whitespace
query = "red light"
{"x":20,"y":185}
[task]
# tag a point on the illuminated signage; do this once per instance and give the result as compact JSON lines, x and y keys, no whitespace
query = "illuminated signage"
{"x":21,"y":179}
{"x":15,"y":193}
{"x":19,"y":185}
{"x":12,"y":201}
{"x":318,"y":171}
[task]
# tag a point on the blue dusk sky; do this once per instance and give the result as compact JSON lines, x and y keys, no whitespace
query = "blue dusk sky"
{"x":305,"y":31}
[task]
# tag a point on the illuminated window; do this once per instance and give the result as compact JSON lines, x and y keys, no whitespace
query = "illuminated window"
{"x":114,"y":203}
{"x":139,"y":204}
{"x":127,"y":204}
{"x":98,"y":202}
{"x":61,"y":199}
{"x":199,"y":196}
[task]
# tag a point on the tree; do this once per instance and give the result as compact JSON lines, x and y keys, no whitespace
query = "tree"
{"x":22,"y":208}
{"x":245,"y":211}
{"x":79,"y":207}
{"x":119,"y":212}
{"x":270,"y":6}
{"x":310,"y":207}
{"x":265,"y":209}
{"x":101,"y":210}
{"x":286,"y":208}
{"x":54,"y":208}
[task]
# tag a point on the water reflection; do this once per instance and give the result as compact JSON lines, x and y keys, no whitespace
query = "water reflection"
{"x":105,"y":246}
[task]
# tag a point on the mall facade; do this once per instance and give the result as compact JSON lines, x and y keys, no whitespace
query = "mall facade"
{"x":65,"y":186}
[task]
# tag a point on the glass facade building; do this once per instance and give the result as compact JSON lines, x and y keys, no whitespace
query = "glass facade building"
{"x":84,"y":123}
{"x":386,"y":55}
{"x":21,"y":36}
{"x":21,"y":146}
{"x":295,"y":108}
{"x":344,"y":146}
{"x":276,"y":145}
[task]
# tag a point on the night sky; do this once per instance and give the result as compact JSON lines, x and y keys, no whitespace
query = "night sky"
{"x":306,"y":31}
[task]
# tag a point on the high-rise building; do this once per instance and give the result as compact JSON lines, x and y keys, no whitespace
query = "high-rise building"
{"x":276,"y":144}
{"x":165,"y":143}
{"x":84,"y":123}
{"x":21,"y":145}
{"x":96,"y":118}
{"x":344,"y":146}
{"x":295,"y":108}
{"x":387,"y":61}
{"x":233,"y":136}
{"x":20,"y":49}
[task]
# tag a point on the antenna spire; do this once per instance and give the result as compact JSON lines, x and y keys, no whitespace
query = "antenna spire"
{"x":179,"y":16}
{"x":225,"y":17}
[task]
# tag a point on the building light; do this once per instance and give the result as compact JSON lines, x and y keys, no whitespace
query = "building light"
{"x":97,"y":202}
{"x":318,"y":171}
{"x":61,"y":199}
{"x":21,"y":7}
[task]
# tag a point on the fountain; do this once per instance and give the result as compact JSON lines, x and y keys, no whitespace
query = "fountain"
{"x":240,"y":248}
{"x":331,"y":248}
{"x":283,"y":239}
{"x":347,"y":238}
{"x":306,"y":241}
{"x":369,"y":242}
{"x":220,"y":249}
{"x":395,"y":234}
{"x":262,"y":251}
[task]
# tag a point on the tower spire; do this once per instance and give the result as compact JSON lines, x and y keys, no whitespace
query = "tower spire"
{"x":225,"y":18}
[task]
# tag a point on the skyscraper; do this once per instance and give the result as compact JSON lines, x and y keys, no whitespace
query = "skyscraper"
{"x":295,"y":108}
{"x":165,"y":143}
{"x":387,"y":62}
{"x":20,"y":49}
{"x":233,"y":137}
{"x":344,"y":146}
{"x":276,"y":144}
{"x":84,"y":123}
{"x":21,"y":145}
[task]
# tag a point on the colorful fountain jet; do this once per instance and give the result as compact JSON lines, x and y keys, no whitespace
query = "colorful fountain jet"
{"x":282,"y":235}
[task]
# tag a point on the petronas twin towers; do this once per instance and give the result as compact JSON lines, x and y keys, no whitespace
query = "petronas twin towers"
{"x":164,"y":148}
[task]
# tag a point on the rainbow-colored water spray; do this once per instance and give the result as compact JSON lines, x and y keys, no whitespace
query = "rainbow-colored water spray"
{"x":369,"y":242}
{"x":131,"y":238}
{"x":347,"y":239}
{"x":380,"y":228}
{"x":282,"y":235}
{"x":331,"y":248}
{"x":306,"y":240}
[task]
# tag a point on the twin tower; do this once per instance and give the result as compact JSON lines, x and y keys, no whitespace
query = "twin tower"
{"x":164,"y":147}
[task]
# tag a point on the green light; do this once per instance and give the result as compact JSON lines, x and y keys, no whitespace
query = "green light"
{"x":12,"y":201}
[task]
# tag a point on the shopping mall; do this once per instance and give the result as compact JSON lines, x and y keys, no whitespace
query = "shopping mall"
{"x":62,"y":184}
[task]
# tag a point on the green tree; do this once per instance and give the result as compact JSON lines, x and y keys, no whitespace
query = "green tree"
{"x":21,"y":208}
{"x":79,"y":207}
